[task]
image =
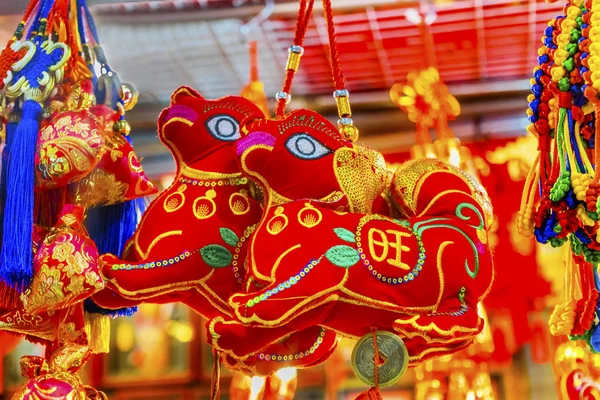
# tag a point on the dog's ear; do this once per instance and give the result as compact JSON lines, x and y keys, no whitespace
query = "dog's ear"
{"x":183,"y":92}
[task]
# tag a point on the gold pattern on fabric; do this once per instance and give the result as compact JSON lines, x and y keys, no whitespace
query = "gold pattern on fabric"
{"x":175,"y":201}
{"x":189,"y":172}
{"x":361,"y":174}
{"x":411,"y":328}
{"x":380,"y":246}
{"x":154,"y":242}
{"x":410,"y":176}
{"x":407,"y":176}
{"x":278,"y":222}
{"x":204,"y":206}
{"x":46,"y":289}
{"x":56,"y":378}
{"x":100,"y":188}
{"x":309,"y":216}
{"x":239,"y":203}
{"x":19,"y":321}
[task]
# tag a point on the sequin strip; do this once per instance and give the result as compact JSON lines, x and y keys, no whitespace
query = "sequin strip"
{"x":285,"y":285}
{"x":385,"y":279}
{"x":313,"y":348}
{"x":238,"y":249}
{"x":463,"y":306}
{"x":154,"y":264}
{"x":215,"y":182}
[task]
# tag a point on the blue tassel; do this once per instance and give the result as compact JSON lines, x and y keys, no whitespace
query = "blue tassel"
{"x":16,"y":258}
{"x":11,"y":128}
{"x":110,"y":227}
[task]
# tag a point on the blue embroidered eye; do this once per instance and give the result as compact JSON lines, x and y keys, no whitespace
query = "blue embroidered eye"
{"x":305,"y":147}
{"x":223,"y":127}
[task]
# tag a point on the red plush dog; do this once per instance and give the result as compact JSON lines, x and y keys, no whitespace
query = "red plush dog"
{"x":319,"y":258}
{"x":191,"y":243}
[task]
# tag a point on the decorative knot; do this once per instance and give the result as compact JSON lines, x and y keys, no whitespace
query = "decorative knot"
{"x":562,"y":319}
{"x":565,"y":100}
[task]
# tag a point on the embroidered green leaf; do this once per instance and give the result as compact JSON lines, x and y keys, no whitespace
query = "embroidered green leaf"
{"x":342,"y":256}
{"x":216,"y":256}
{"x":345,"y":235}
{"x":229,"y":236}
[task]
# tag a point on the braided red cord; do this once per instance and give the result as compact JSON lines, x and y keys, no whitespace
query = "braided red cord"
{"x":338,"y":77}
{"x":58,"y":14}
{"x":376,"y":348}
{"x":304,"y":13}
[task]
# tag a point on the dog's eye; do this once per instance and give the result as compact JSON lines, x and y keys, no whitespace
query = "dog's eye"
{"x":223,"y":127}
{"x":305,"y":147}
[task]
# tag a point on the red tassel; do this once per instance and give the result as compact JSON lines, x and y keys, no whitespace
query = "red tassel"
{"x":371,"y":394}
{"x":9,"y":297}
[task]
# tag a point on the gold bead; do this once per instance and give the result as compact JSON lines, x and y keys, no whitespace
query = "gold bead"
{"x":293,"y":61}
{"x":343,"y":106}
{"x":34,"y":94}
{"x":122,"y":126}
{"x":349,"y":132}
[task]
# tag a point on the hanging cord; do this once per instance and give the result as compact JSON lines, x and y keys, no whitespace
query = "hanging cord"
{"x":341,"y":95}
{"x":215,"y":389}
{"x":338,"y":77}
{"x":376,"y":348}
{"x":283,"y":97}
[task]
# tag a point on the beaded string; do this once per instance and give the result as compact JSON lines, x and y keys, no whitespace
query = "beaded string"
{"x":295,"y":53}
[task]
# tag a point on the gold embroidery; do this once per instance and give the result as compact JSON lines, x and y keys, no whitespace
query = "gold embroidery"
{"x":175,"y":201}
{"x":134,"y":163}
{"x":361,"y":174}
{"x":279,"y":259}
{"x":100,"y":188}
{"x":204,"y":207}
{"x":46,"y":289}
{"x":385,"y":244}
{"x":440,"y":252}
{"x":178,"y":119}
{"x":309,"y":216}
{"x":420,"y":330}
{"x":305,"y":305}
{"x":76,"y":285}
{"x":239,"y":203}
{"x":278,"y":222}
{"x":145,"y":254}
{"x":75,"y":265}
{"x":62,"y":251}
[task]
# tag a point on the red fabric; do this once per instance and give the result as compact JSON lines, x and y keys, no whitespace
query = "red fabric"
{"x":515,"y":292}
{"x":201,"y":210}
{"x":68,"y":148}
{"x":191,"y":214}
{"x":118,"y":176}
{"x":65,"y":264}
{"x":309,"y":257}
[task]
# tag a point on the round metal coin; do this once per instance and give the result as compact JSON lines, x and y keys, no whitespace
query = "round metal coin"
{"x":393,"y":359}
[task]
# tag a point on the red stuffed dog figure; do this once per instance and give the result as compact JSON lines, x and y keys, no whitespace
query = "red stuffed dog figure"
{"x":319,"y":258}
{"x":191,"y":243}
{"x":190,"y":238}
